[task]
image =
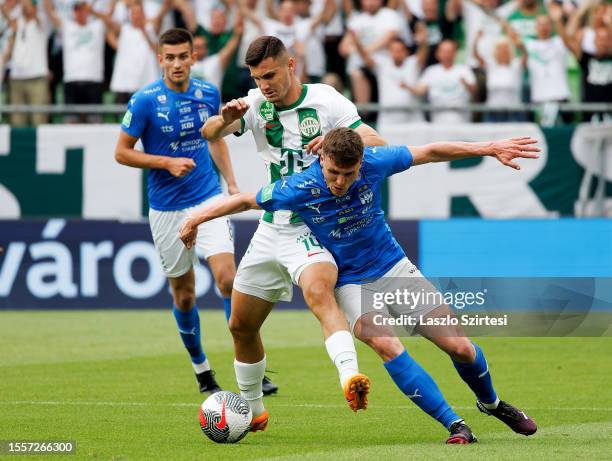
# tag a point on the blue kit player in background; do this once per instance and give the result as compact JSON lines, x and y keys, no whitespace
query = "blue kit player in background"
{"x":167,"y":116}
{"x":338,"y":197}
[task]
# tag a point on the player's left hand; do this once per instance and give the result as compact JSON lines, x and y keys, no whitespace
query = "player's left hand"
{"x":507,"y":150}
{"x":315,"y":145}
{"x":188,"y":232}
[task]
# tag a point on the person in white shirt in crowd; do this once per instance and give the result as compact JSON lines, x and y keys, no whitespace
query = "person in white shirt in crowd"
{"x":504,"y":75}
{"x":28,"y":82}
{"x":396,"y":73}
{"x":136,"y":44}
{"x":204,"y":9}
{"x":334,"y":30}
{"x":546,"y":62}
{"x":212,"y":68}
{"x":447,"y":84}
{"x":83,"y":38}
{"x":375,"y":26}
{"x":6,"y":51}
{"x":253,"y":28}
{"x":590,"y":16}
{"x":309,"y":33}
{"x":481,"y":20}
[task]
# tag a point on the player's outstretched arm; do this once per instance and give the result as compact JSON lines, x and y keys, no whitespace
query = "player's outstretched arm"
{"x":231,"y":205}
{"x":505,"y":151}
{"x":127,"y":155}
{"x":227,"y":122}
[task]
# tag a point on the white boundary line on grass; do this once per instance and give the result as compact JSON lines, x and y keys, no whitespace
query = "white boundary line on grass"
{"x":297,"y":405}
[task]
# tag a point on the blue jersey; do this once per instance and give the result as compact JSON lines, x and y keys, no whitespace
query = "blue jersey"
{"x":168,"y":123}
{"x":352,"y":226}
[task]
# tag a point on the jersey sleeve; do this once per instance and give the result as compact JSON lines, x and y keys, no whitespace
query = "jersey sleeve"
{"x":279,"y":195}
{"x":388,"y":160}
{"x":343,"y":112}
{"x":135,"y":119}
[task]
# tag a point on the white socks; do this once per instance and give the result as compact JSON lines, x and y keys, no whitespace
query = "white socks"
{"x":341,"y":350}
{"x":491,"y":406}
{"x":201,"y":367}
{"x":249,"y":376}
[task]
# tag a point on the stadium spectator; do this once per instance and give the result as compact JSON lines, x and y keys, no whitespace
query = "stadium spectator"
{"x":447,"y":84}
{"x":136,"y":45}
{"x":253,"y":28}
{"x":523,"y":19}
{"x":546,"y":62}
{"x":375,"y":26}
{"x":597,"y":15}
{"x":481,"y":18}
{"x":28,"y":82}
{"x":212,"y":68}
{"x":217,"y":37}
{"x":592,"y":47}
{"x":311,"y":33}
{"x":396,"y":73}
{"x":83,"y":39}
{"x":504,"y":74}
{"x":281,"y":23}
{"x":6,"y":50}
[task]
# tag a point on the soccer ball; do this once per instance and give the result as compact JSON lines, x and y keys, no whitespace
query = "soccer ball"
{"x":225,"y":417}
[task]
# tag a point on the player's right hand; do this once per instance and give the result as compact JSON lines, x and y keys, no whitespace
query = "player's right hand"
{"x":180,"y":166}
{"x":234,"y":110}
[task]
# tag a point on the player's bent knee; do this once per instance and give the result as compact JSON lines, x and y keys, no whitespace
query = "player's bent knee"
{"x":462,"y":350}
{"x":387,"y":348}
{"x":225,"y":283}
{"x":318,"y":293}
{"x":241,"y":329}
{"x":184,"y":300}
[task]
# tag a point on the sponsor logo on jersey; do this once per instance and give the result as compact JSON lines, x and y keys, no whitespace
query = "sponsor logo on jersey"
{"x":167,"y":129}
{"x":162,"y":98}
{"x":198,"y":94}
{"x":266,"y":110}
{"x":318,"y":219}
{"x":187,"y":125}
{"x":336,"y":233}
{"x":174,"y":146}
{"x":127,"y":119}
{"x":266,"y":193}
{"x":164,"y":115}
{"x":304,"y":184}
{"x":309,"y":126}
{"x":203,"y":113}
{"x":315,"y":191}
{"x":184,"y":110}
{"x":155,"y":89}
{"x":314,"y":207}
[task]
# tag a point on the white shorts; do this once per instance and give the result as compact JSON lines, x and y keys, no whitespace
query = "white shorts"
{"x":275,"y":259}
{"x":404,"y":275}
{"x":214,"y":237}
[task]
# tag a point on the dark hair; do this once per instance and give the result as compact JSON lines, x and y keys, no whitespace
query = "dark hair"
{"x":176,"y":36}
{"x":262,"y":48}
{"x":344,"y":146}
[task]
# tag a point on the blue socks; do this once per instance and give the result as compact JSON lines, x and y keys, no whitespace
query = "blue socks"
{"x":414,"y":381}
{"x":189,"y":328}
{"x":227,"y":306}
{"x":477,"y":376}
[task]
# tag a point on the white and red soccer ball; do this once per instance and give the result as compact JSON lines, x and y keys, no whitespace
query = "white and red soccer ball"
{"x":225,"y":417}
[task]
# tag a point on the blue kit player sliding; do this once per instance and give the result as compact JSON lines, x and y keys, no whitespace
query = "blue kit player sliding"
{"x":338,"y":197}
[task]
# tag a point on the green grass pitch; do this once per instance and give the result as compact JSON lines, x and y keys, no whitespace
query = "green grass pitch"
{"x":120,"y":384}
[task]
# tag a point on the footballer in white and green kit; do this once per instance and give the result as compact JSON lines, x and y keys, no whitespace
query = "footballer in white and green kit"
{"x":283,"y":245}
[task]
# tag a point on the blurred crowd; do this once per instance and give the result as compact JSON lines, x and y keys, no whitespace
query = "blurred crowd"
{"x":397,"y":53}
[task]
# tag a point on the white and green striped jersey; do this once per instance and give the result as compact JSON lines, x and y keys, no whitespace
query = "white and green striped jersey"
{"x":281,"y":133}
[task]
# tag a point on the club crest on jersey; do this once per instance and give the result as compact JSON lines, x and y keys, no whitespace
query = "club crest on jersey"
{"x":162,"y":98}
{"x":309,"y":127}
{"x":366,"y":196}
{"x":315,"y":191}
{"x":266,"y":110}
{"x":203,"y":113}
{"x":198,"y":93}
